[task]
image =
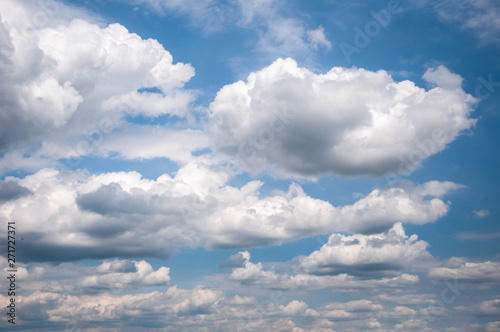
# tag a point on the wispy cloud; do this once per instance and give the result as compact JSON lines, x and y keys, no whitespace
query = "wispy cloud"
{"x":481,"y":213}
{"x":479,"y":16}
{"x":478,"y":236}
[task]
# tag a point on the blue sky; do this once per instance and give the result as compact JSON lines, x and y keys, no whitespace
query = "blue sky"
{"x":260,"y":165}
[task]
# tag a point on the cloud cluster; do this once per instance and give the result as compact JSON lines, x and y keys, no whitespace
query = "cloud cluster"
{"x":56,"y":92}
{"x":368,"y":256}
{"x":122,"y":214}
{"x":292,"y":122}
{"x":483,"y":274}
{"x":345,"y":262}
{"x":206,"y":309}
{"x":115,"y":274}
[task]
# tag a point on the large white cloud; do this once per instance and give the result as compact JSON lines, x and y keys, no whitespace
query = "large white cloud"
{"x":293,"y":122}
{"x":65,"y":77}
{"x":123,"y":214}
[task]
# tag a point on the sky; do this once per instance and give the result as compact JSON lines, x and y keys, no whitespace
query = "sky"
{"x":250,"y":165}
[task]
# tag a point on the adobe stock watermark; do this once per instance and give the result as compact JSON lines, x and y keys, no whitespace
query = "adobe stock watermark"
{"x":424,"y":149}
{"x":486,"y":87}
{"x":448,"y":295}
{"x":224,"y":10}
{"x":192,"y":210}
{"x":363,"y":37}
{"x":73,"y":326}
{"x":91,"y":141}
{"x":48,"y":9}
{"x":258,"y":142}
{"x":255,"y":321}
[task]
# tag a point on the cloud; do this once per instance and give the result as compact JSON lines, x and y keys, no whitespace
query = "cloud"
{"x":382,"y":254}
{"x":145,"y":142}
{"x":115,"y":294}
{"x":483,"y":308}
{"x":113,"y":274}
{"x":442,"y":77}
{"x":182,"y":309}
{"x":175,"y":306}
{"x":282,"y":37}
{"x":481,"y":213}
{"x":484,"y":273}
{"x":300,"y":277}
{"x":481,"y":17}
{"x":124,"y":215}
{"x":478,"y":236}
{"x":250,"y":272}
{"x":318,"y":38}
{"x":236,"y":261}
{"x":348,"y":121}
{"x":72,"y":79}
{"x":11,"y":191}
{"x":278,"y":34}
{"x":209,"y":15}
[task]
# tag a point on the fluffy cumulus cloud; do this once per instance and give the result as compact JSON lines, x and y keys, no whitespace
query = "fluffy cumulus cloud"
{"x":72,"y":278}
{"x":116,"y":274}
{"x":345,"y":262}
{"x":378,"y":254}
{"x":89,"y":297}
{"x":122,"y":214}
{"x":56,"y":91}
{"x":201,"y":309}
{"x":174,"y":307}
{"x":293,"y":122}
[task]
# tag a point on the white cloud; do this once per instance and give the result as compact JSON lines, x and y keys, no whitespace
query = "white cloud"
{"x":209,"y":15}
{"x":122,"y":214}
{"x":480,"y":16}
{"x":348,"y":282}
{"x":174,"y":303}
{"x":483,"y":273}
{"x":368,"y":255}
{"x":441,"y":76}
{"x":252,"y":273}
{"x":348,"y":121}
{"x":63,"y":79}
{"x":146,"y":142}
{"x":109,"y":276}
{"x":318,"y":38}
{"x":483,"y":308}
{"x":113,"y":274}
{"x":278,"y":34}
{"x":481,"y":213}
{"x":493,"y":326}
{"x":298,"y":308}
{"x":100,"y":295}
{"x":350,"y":279}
